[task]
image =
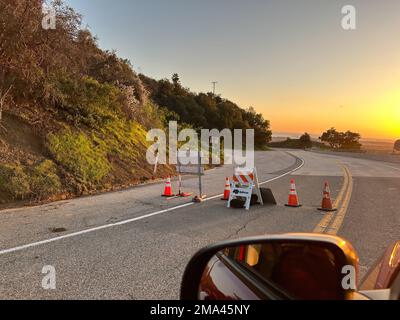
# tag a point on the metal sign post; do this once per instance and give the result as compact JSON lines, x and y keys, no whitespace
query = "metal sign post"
{"x":191,"y":170}
{"x":156,"y":160}
{"x":181,"y":170}
{"x":199,"y":172}
{"x":194,"y":167}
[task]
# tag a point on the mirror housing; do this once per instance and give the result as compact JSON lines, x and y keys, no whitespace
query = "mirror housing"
{"x":339,"y":250}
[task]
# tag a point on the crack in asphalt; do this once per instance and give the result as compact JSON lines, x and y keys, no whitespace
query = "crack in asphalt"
{"x":241,"y":228}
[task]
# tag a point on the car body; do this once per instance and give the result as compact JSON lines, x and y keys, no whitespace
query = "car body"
{"x":238,"y":272}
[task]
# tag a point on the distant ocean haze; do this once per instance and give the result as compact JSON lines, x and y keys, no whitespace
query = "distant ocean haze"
{"x":368,"y":144}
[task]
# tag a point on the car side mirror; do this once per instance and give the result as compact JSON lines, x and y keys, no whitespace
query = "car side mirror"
{"x":384,"y":276}
{"x":291,"y":266}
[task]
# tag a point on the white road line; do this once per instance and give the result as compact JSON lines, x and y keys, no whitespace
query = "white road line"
{"x":78,"y":233}
{"x":107,"y":226}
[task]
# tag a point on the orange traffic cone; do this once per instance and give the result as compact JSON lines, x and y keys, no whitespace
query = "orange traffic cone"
{"x":168,"y":189}
{"x":227,"y":191}
{"x":326,"y":201}
{"x":293,"y":198}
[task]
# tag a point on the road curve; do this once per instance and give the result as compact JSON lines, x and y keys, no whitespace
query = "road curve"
{"x":145,"y":258}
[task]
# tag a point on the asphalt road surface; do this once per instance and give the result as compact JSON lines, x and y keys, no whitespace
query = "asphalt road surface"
{"x":134,"y":244}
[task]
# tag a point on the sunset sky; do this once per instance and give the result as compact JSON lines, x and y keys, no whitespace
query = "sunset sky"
{"x":290,"y":60}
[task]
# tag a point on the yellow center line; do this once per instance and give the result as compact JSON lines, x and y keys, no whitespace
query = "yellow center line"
{"x":343,"y":190}
{"x":323,"y":225}
{"x":338,"y":222}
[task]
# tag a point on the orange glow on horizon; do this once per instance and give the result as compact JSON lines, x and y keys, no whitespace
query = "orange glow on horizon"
{"x":374,"y":117}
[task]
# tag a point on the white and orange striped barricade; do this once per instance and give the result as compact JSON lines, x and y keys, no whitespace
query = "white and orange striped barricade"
{"x":244,"y":184}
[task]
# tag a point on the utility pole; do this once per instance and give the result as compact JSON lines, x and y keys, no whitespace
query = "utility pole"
{"x":214,"y":85}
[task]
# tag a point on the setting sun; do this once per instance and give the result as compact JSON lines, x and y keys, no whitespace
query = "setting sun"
{"x":387,"y":115}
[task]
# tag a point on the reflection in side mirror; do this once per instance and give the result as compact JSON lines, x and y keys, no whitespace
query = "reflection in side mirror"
{"x":304,"y":267}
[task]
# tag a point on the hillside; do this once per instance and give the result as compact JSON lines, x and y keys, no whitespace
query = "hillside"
{"x":291,"y":143}
{"x":74,"y":118}
{"x":205,"y":110}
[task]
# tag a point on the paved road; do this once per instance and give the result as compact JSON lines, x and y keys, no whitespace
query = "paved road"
{"x":134,"y":245}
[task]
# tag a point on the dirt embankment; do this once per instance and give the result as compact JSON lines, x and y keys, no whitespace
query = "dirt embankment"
{"x":31,"y":173}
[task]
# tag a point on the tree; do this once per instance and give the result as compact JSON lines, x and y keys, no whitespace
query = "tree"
{"x":175,"y":79}
{"x":3,"y":99}
{"x":332,"y":137}
{"x":19,"y":21}
{"x":262,"y":132}
{"x":305,"y":141}
{"x":31,"y":56}
{"x":205,"y":110}
{"x":351,"y":141}
{"x":342,"y":140}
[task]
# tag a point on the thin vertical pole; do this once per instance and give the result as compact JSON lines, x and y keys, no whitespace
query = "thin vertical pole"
{"x":214,"y":85}
{"x":179,"y":175}
{"x":200,"y":182}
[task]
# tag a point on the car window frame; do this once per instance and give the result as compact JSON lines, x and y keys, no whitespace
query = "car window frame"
{"x":261,"y":287}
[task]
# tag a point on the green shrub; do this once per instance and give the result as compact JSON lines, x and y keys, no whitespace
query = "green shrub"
{"x":86,"y":101}
{"x":76,"y":153}
{"x":44,"y":180}
{"x":122,"y":140}
{"x":14,"y":181}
